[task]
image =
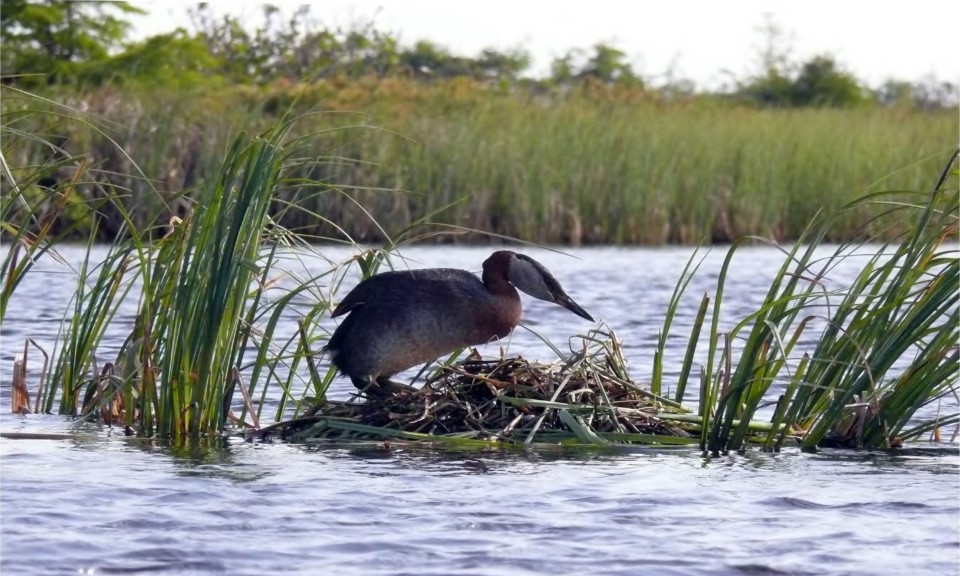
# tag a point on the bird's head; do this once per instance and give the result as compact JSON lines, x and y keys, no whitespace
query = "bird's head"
{"x":531,"y":277}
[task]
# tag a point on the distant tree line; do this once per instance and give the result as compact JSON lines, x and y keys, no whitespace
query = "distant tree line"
{"x":84,"y":43}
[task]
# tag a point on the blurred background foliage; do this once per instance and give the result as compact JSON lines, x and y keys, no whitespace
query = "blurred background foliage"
{"x":85,"y":44}
{"x":589,"y":152}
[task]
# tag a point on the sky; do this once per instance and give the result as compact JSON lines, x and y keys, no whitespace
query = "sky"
{"x":701,"y":40}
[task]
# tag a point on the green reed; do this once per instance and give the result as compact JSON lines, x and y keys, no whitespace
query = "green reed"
{"x":200,"y":280}
{"x":591,"y":166}
{"x":849,"y":391}
{"x":209,"y":288}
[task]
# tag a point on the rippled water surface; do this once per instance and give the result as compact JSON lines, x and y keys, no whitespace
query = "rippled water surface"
{"x":98,"y":503}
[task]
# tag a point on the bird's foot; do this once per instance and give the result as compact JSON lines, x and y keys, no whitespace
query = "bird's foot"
{"x":382,"y":387}
{"x":395,"y":387}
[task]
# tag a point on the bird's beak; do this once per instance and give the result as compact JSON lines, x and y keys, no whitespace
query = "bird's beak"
{"x":569,"y":304}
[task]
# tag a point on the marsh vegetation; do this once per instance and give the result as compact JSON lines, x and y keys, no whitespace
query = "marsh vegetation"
{"x":203,"y":355}
{"x":592,"y":153}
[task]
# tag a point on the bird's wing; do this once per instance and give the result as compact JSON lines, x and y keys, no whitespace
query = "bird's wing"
{"x":386,"y":286}
{"x":360,"y":294}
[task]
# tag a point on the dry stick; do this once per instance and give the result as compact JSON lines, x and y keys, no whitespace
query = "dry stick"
{"x":246,"y":398}
{"x":285,"y":425}
{"x":956,"y":430}
{"x":490,"y":382}
{"x":634,"y":388}
{"x":609,"y":404}
{"x":96,"y":370}
{"x":19,"y":397}
{"x":490,"y":405}
{"x":106,"y":412}
{"x":98,"y":397}
{"x":861,"y":417}
{"x":43,"y":373}
{"x":20,"y":400}
{"x":26,"y":348}
{"x":418,"y":429}
{"x":935,"y":432}
{"x":117,"y":401}
{"x":493,"y":386}
{"x":148,"y":382}
{"x":426,"y":411}
{"x":509,"y":427}
{"x":543,"y":415}
{"x":472,"y":411}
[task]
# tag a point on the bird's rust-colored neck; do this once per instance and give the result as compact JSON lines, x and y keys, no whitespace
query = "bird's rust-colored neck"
{"x":501,"y":318}
{"x":495,"y":269}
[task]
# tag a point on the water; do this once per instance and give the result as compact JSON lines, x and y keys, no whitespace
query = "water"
{"x":97,"y":503}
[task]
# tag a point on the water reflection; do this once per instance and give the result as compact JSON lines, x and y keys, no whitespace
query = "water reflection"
{"x":342,"y":509}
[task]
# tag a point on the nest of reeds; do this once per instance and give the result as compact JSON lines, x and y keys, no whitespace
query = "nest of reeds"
{"x":509,"y":400}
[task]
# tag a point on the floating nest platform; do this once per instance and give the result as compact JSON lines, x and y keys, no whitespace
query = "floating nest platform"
{"x":585,"y":400}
